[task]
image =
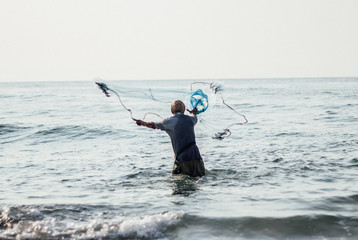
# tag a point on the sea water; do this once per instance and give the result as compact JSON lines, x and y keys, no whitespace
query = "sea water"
{"x":74,"y":165}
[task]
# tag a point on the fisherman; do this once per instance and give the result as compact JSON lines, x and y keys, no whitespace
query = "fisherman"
{"x":180,"y":128}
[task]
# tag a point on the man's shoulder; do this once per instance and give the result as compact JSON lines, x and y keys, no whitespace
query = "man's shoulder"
{"x":181,"y":115}
{"x":190,"y":118}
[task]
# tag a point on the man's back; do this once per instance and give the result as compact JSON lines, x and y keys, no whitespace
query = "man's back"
{"x":180,"y":128}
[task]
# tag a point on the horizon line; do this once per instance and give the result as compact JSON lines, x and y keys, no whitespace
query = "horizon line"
{"x":181,"y":79}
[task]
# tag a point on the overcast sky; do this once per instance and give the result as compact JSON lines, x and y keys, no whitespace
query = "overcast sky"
{"x":57,"y":40}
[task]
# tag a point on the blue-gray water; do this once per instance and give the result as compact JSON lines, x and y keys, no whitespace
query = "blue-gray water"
{"x":73,"y":165}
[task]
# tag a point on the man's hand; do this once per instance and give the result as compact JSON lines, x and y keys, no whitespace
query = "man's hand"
{"x":194,"y":111}
{"x":139,"y":122}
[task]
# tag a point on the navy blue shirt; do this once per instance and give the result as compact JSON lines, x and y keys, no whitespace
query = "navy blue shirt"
{"x":180,"y":128}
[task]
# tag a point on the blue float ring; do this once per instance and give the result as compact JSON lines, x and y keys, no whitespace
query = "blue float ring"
{"x":199,"y":100}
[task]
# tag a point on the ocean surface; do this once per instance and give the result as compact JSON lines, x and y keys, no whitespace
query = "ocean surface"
{"x":73,"y":165}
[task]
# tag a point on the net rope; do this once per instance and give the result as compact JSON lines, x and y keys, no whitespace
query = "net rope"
{"x":198,"y":100}
{"x":105,"y":90}
{"x":217,"y":89}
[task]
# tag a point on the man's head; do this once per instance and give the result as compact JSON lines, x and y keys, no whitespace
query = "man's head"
{"x":178,"y":107}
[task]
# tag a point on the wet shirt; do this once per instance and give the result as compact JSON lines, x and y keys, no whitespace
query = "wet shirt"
{"x":180,"y":128}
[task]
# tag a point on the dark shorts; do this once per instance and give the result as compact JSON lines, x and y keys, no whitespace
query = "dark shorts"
{"x":193,"y":168}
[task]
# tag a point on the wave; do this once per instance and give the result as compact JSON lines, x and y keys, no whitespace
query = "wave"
{"x":80,"y":222}
{"x":353,"y":199}
{"x":11,"y":128}
{"x":109,"y":222}
{"x":293,"y":227}
{"x":43,"y":134}
{"x":73,"y":131}
{"x":10,"y":133}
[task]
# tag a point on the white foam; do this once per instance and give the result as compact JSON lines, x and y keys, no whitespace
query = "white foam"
{"x":148,"y":226}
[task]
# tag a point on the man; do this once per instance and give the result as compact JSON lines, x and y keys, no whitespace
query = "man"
{"x":180,"y":128}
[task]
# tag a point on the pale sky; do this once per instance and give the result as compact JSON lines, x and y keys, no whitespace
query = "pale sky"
{"x":60,"y":40}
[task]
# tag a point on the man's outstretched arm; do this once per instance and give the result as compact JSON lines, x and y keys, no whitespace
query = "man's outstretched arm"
{"x":145,"y":124}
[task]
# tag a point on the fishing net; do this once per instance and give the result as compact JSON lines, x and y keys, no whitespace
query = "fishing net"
{"x":207,"y":102}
